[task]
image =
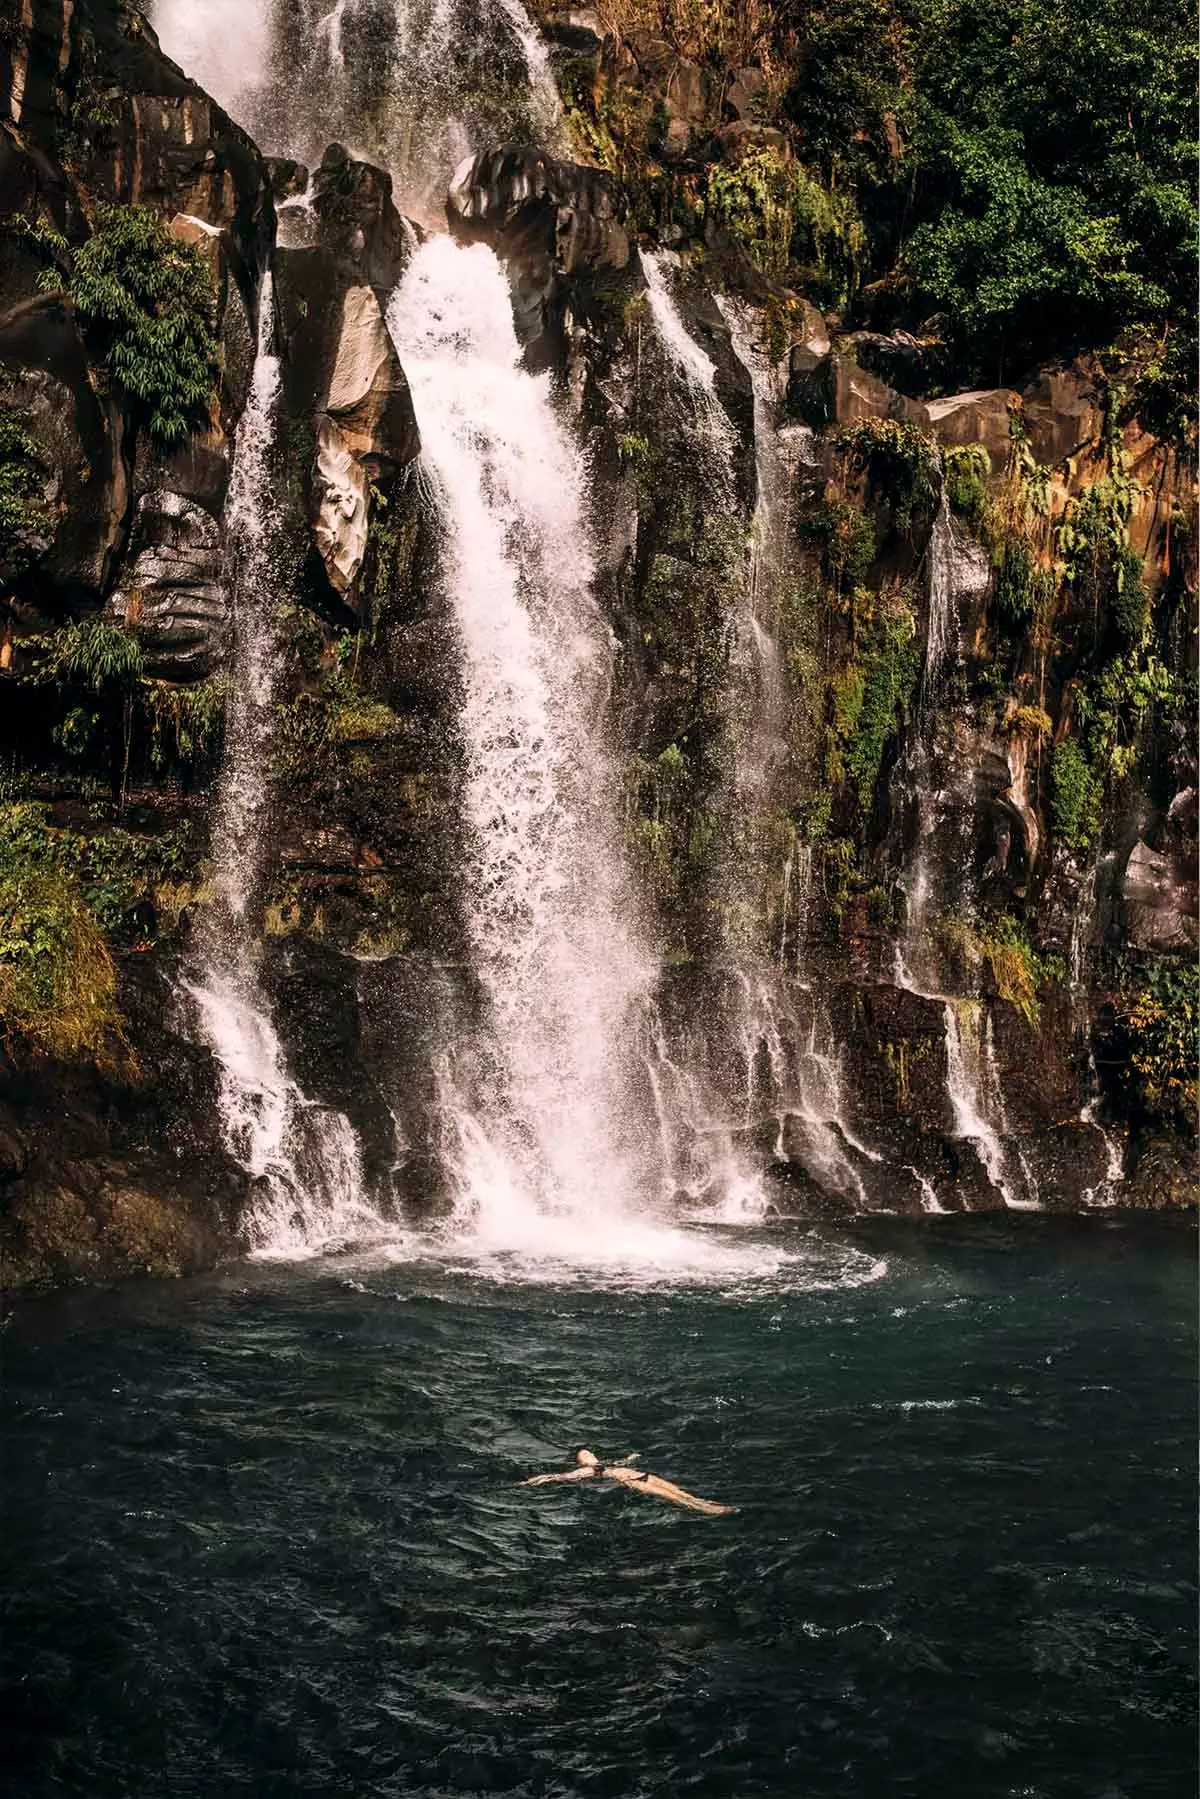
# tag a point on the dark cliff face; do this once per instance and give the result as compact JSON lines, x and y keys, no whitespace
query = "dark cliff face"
{"x":1063,"y":897}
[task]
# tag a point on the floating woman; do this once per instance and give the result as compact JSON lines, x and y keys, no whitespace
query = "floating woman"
{"x":592,"y":1468}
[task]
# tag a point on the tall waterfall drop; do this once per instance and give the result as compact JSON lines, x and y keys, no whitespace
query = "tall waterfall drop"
{"x":302,"y":1158}
{"x":548,"y":1125}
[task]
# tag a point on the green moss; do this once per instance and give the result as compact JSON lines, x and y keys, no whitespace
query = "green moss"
{"x":782,"y":216}
{"x":870,"y":695}
{"x":58,"y":989}
{"x":845,"y":537}
{"x":1075,"y":795}
{"x":900,"y":463}
{"x":966,"y":472}
{"x":357,"y":719}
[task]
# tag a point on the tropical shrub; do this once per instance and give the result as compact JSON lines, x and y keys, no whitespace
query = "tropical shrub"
{"x":1157,"y":1020}
{"x":146,"y":300}
{"x":58,"y":988}
{"x":1075,"y":794}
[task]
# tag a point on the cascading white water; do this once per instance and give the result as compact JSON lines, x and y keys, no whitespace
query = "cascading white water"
{"x":553,"y":1128}
{"x":973,"y":1086}
{"x":223,"y":45}
{"x":409,"y":84}
{"x":1104,"y":1192}
{"x":302,"y":1158}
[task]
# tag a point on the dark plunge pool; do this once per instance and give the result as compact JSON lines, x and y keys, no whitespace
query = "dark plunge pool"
{"x":264,"y":1535}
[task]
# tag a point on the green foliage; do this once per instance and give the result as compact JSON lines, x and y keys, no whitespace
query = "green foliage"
{"x":1001,"y":944}
{"x":94,"y":655}
{"x":1118,"y":705}
{"x":1157,"y":1019}
{"x":58,"y":988}
{"x":147,"y":301}
{"x":1053,"y":171}
{"x":1075,"y":794}
{"x":1015,"y":970}
{"x":965,"y":472}
{"x":186,"y":725}
{"x":633,"y":452}
{"x":1093,"y":539}
{"x":845,"y":536}
{"x":900,"y":462}
{"x":870,"y":695}
{"x":1023,"y":586}
{"x":25,"y":519}
{"x":782,"y":216}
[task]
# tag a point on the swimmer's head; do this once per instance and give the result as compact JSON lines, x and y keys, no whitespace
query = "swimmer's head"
{"x":586,"y":1459}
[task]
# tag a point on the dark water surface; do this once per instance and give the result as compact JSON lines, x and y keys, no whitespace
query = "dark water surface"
{"x":263,"y":1534}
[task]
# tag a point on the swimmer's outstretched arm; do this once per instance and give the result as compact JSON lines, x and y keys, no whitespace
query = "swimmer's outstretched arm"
{"x":666,"y":1489}
{"x":546,"y":1480}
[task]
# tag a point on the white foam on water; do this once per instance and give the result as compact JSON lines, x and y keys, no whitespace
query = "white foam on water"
{"x":652,"y":1257}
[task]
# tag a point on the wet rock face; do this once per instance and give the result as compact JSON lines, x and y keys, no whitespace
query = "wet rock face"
{"x":1160,"y":898}
{"x":45,"y":379}
{"x":553,"y":223}
{"x":341,"y":254}
{"x":121,"y":1172}
{"x":172,"y":590}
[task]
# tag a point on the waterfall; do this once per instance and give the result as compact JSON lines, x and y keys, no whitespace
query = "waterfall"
{"x":973,"y":1086}
{"x":302,"y":1158}
{"x":1082,"y":923}
{"x":549,"y":1124}
{"x":922,"y":777}
{"x":224,"y":45}
{"x":943,"y":838}
{"x":413,"y":85}
{"x":784,"y":1078}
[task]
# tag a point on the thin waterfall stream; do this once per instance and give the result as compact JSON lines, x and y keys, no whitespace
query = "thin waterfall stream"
{"x":307,"y":1188}
{"x":788,"y":1075}
{"x":973,"y":1086}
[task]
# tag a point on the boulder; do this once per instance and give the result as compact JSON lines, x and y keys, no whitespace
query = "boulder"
{"x":1063,"y":412}
{"x":577,"y":29}
{"x":342,"y":377}
{"x":1159,"y":895}
{"x":982,"y":417}
{"x":836,"y":392}
{"x":172,"y":589}
{"x":744,"y":136}
{"x":550,"y":222}
{"x":748,"y":94}
{"x":535,"y":210}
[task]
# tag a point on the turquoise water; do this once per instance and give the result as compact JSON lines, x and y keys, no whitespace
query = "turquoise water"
{"x":264,"y":1536}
